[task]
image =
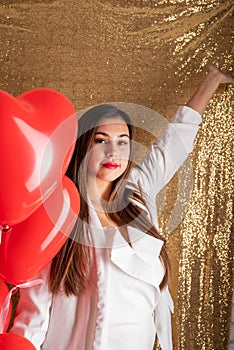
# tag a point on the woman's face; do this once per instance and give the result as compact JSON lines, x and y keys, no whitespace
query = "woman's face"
{"x":110,"y":150}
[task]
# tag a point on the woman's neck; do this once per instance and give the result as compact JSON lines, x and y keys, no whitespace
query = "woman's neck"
{"x":99,"y":194}
{"x":98,"y":191}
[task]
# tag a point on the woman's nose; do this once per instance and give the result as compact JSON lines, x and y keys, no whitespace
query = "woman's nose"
{"x":111,"y":150}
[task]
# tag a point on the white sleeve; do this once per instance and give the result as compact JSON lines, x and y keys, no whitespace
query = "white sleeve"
{"x":162,"y":318}
{"x":33,"y":310}
{"x":167,"y":154}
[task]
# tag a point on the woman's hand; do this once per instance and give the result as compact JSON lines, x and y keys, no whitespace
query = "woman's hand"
{"x":207,"y":88}
{"x":222,"y":77}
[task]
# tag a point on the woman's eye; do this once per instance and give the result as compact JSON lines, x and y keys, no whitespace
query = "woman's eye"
{"x":103,"y":141}
{"x":122,"y":142}
{"x":99,"y":140}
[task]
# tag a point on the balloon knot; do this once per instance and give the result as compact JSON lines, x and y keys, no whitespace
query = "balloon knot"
{"x":4,"y":228}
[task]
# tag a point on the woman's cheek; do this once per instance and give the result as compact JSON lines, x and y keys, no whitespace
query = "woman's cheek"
{"x":93,"y":162}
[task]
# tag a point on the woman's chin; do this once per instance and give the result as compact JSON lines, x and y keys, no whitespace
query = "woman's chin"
{"x":108,"y":175}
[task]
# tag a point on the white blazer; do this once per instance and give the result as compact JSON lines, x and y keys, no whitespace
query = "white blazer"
{"x":84,"y":322}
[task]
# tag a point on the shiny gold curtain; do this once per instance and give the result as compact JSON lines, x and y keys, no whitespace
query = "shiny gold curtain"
{"x":153,"y":53}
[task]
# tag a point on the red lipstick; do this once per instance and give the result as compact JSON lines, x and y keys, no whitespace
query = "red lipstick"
{"x":110,"y":165}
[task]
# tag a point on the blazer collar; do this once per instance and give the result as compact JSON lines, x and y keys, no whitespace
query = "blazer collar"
{"x":140,"y":261}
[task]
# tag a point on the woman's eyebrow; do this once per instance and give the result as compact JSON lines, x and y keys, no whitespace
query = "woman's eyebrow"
{"x":105,"y":134}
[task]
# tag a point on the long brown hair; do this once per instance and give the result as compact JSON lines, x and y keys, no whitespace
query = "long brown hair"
{"x":70,"y":268}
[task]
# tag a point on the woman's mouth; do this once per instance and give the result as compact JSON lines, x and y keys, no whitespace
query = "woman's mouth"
{"x":110,"y":165}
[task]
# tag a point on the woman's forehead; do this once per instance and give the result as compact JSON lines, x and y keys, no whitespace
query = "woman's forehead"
{"x":113,"y":125}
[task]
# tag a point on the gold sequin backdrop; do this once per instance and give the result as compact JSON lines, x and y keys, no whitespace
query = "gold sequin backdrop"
{"x":151,"y":53}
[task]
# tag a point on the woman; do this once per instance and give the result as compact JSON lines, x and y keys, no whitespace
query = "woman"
{"x":107,"y":287}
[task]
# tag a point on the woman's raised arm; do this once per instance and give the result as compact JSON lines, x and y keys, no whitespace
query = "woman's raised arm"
{"x":168,"y":153}
{"x":207,"y":88}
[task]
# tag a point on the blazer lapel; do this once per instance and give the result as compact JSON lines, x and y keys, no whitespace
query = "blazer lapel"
{"x":142,"y":259}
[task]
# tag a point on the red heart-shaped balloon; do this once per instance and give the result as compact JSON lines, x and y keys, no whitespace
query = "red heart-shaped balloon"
{"x":10,"y":341}
{"x":30,"y":245}
{"x":38,"y":132}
